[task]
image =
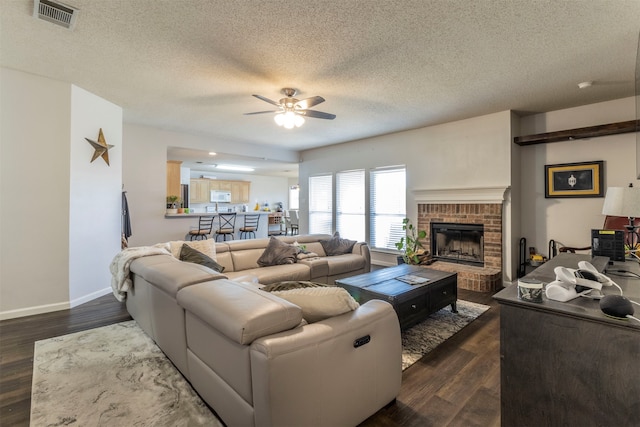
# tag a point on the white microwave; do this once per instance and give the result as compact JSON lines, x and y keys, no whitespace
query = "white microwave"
{"x":220,"y":196}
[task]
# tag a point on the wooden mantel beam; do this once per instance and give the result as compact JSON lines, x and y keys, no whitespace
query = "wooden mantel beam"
{"x":580,"y":133}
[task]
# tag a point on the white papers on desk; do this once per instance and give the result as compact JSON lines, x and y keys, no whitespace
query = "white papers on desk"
{"x":412,"y":279}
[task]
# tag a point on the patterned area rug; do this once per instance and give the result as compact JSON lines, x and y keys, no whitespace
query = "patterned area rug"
{"x":111,"y":376}
{"x":116,"y":375}
{"x":420,"y":339}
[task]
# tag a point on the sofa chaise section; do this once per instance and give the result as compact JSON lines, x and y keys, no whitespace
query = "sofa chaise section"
{"x":255,"y":363}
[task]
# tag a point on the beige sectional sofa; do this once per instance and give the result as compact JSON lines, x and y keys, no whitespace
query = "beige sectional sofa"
{"x":249,"y":353}
{"x":240,"y":258}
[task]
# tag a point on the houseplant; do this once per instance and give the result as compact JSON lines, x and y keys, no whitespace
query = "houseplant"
{"x":410,"y":245}
{"x":172,"y":204}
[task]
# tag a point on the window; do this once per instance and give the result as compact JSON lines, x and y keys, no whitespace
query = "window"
{"x":388,"y":206}
{"x":320,"y":204}
{"x":350,"y":212}
{"x":294,"y":193}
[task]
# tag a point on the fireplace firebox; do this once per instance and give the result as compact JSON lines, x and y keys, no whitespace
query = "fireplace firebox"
{"x":458,"y":243}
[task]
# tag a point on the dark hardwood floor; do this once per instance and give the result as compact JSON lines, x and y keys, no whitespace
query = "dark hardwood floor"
{"x":457,"y":384}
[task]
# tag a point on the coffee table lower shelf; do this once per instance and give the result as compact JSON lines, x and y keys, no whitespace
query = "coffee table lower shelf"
{"x":412,"y":303}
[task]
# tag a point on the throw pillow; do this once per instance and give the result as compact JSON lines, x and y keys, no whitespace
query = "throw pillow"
{"x":291,"y":284}
{"x":277,"y":252}
{"x":188,"y":254}
{"x":318,"y":302}
{"x":337,"y":246}
{"x":207,"y":247}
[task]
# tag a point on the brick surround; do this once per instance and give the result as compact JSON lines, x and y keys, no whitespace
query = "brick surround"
{"x":482,"y":279}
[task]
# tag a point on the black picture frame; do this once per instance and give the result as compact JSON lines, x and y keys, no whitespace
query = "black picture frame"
{"x":574,"y":180}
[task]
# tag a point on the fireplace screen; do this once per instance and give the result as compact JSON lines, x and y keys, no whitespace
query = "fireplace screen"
{"x":459,"y":243}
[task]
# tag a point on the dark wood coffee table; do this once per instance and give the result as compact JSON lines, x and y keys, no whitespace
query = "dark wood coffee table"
{"x":412,"y":302}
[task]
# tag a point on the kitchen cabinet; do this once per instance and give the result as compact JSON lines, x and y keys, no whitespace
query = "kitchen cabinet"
{"x":240,"y":191}
{"x":199,"y":191}
{"x":219,"y":185}
{"x":173,"y":178}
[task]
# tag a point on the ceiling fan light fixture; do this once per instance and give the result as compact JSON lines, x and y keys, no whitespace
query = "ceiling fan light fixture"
{"x":289,"y":120}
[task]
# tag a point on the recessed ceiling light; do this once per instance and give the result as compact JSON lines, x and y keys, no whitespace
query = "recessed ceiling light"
{"x":585,"y":85}
{"x":212,"y":153}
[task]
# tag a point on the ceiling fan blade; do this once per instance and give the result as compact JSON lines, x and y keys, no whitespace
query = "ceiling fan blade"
{"x":277,"y":104}
{"x":317,"y":114}
{"x":262,"y":112}
{"x":309,"y":102}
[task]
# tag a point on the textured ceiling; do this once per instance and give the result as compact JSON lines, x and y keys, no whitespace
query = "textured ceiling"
{"x":382,"y":65}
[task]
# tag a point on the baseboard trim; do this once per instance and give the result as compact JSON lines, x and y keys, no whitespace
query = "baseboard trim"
{"x":48,"y":308}
{"x":30,"y":311}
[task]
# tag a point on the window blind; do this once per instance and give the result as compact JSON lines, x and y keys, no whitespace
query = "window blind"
{"x":320,"y":204}
{"x":388,"y":200}
{"x":350,"y":205}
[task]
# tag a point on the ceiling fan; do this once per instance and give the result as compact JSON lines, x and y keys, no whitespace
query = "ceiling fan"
{"x":291,"y":111}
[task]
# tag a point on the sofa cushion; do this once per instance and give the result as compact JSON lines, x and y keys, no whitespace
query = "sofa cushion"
{"x":278,"y":253}
{"x":317,"y":301}
{"x":169,"y":274}
{"x":240,"y":311}
{"x":207,"y":247}
{"x":337,"y":246}
{"x":189,"y":254}
{"x":275,"y":273}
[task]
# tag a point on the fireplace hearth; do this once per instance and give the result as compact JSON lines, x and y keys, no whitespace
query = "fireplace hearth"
{"x":458,"y":243}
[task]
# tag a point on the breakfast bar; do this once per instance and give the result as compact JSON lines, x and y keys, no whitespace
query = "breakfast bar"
{"x":190,"y":221}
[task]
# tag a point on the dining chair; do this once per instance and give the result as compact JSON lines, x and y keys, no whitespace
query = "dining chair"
{"x":294,"y":222}
{"x":226,"y":225}
{"x":250,"y":226}
{"x":205,"y":224}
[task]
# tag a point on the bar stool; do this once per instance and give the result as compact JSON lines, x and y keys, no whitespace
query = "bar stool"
{"x":250,"y":226}
{"x":226,"y":225}
{"x":205,"y":224}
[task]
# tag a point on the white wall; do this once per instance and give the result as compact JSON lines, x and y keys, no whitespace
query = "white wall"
{"x":34,"y":192}
{"x":45,"y":263}
{"x":464,"y":154}
{"x":144,"y":177}
{"x":569,"y":221}
{"x":95,"y":196}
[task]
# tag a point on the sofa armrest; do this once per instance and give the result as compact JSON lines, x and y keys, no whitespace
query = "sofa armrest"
{"x":362,"y":249}
{"x":318,"y":268}
{"x":304,"y":376}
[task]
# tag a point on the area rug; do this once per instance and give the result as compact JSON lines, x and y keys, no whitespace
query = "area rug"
{"x":116,"y":375}
{"x":111,"y":376}
{"x":423,"y":337}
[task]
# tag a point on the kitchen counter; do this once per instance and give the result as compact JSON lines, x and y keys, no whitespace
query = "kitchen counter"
{"x":198,"y":214}
{"x":190,"y":221}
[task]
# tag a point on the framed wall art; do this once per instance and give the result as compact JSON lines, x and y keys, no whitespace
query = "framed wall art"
{"x":574,"y":180}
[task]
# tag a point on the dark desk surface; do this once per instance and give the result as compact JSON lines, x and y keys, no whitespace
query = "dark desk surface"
{"x":585,"y":308}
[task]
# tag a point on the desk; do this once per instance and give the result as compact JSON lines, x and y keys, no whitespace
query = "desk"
{"x":567,"y":364}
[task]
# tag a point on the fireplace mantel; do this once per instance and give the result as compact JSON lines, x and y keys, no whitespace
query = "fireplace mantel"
{"x":461,"y":195}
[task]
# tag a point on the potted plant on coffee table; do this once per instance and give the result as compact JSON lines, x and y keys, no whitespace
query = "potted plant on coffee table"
{"x":410,"y":245}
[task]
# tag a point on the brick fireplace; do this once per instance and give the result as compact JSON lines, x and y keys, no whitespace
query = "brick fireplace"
{"x":467,"y":206}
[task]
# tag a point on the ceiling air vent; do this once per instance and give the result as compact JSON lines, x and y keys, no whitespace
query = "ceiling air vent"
{"x":55,"y":12}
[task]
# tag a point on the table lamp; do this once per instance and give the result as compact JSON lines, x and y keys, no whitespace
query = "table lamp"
{"x":624,"y":202}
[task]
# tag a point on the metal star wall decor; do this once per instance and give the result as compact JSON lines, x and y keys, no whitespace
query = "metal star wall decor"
{"x":101,"y":148}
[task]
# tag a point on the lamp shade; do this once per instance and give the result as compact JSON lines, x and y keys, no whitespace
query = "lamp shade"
{"x":622,"y":201}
